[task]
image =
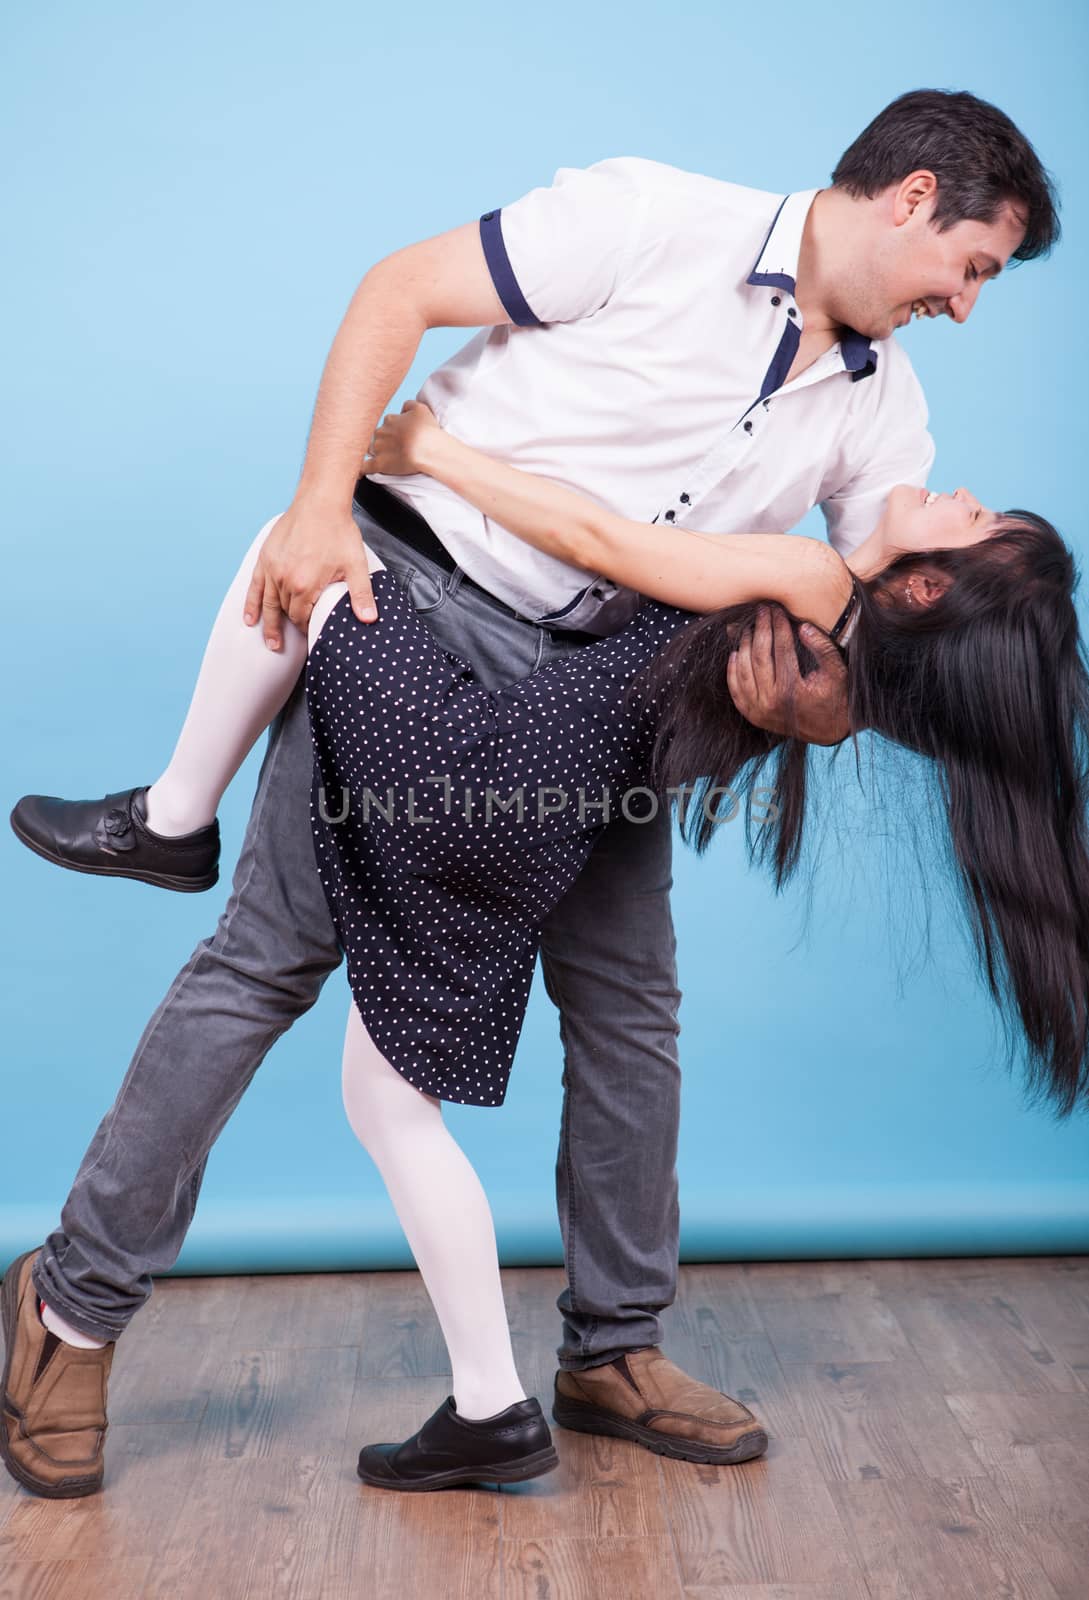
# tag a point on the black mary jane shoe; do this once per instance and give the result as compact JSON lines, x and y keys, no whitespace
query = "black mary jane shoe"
{"x":111,"y":837}
{"x":513,"y":1445}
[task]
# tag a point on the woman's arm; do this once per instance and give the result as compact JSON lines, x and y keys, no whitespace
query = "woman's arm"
{"x":697,"y":571}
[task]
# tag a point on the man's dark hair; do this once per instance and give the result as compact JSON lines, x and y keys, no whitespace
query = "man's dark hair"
{"x":978,"y":156}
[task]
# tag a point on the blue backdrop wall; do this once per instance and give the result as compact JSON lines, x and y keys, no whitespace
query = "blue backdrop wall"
{"x":193,"y":195}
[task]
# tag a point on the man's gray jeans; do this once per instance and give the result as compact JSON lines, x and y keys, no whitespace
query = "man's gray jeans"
{"x":608,"y":959}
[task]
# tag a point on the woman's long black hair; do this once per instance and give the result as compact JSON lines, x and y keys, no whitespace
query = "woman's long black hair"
{"x":990,"y":682}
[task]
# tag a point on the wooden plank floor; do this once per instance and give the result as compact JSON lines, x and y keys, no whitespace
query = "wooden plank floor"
{"x":929,"y":1423}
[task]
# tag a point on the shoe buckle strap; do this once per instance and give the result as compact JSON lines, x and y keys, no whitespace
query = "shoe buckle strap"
{"x":115,"y":831}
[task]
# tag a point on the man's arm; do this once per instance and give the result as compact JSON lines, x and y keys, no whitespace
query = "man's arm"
{"x":554,"y":255}
{"x":439,"y":282}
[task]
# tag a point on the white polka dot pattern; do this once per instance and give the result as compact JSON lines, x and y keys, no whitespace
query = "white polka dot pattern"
{"x":440,"y":920}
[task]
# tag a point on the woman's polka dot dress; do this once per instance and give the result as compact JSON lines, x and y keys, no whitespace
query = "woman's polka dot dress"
{"x":438,"y":893}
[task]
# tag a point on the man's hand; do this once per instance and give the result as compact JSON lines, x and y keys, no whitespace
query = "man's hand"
{"x":768,"y":689}
{"x":310,"y":546}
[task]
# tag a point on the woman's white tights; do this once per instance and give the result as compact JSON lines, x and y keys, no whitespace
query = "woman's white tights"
{"x":437,"y":1196}
{"x":444,"y":1211}
{"x":241,"y":686}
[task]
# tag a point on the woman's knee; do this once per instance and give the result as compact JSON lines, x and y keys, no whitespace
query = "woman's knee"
{"x":376,"y":1098}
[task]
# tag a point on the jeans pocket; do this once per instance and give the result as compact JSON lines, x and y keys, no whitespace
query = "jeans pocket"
{"x":427,"y":589}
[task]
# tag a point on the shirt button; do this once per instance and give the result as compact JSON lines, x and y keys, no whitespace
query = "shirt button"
{"x":670,"y":515}
{"x":775,"y":299}
{"x":748,"y":427}
{"x":684,"y":499}
{"x":791,"y":311}
{"x":488,"y":216}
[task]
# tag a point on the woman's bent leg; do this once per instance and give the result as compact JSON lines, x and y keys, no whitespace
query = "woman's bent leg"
{"x":241,"y":686}
{"x":445,"y":1214}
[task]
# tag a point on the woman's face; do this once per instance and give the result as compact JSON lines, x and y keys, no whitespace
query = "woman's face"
{"x":920,"y":519}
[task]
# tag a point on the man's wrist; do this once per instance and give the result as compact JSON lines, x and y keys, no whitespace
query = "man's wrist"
{"x":833,"y":735}
{"x":323,"y":497}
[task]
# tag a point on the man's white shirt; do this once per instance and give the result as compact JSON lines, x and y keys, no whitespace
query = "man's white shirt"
{"x":654,"y":323}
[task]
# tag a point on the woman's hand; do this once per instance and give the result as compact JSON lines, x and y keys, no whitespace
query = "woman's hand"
{"x":403,"y":443}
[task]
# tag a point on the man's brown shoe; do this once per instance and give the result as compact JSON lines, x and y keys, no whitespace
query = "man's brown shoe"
{"x":53,"y":1413}
{"x":644,"y":1397}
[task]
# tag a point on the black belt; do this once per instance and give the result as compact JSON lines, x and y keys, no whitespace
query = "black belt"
{"x":405,"y":524}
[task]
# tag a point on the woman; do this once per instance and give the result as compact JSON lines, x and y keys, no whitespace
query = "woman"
{"x":963,"y":646}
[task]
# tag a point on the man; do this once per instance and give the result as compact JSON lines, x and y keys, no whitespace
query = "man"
{"x":686,"y":350}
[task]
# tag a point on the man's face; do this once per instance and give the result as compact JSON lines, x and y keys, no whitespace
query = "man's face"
{"x":916,"y":270}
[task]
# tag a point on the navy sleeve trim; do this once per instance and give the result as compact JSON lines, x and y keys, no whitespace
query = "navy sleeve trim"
{"x":506,"y":284}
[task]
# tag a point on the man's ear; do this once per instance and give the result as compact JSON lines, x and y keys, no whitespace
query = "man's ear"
{"x":918,"y":188}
